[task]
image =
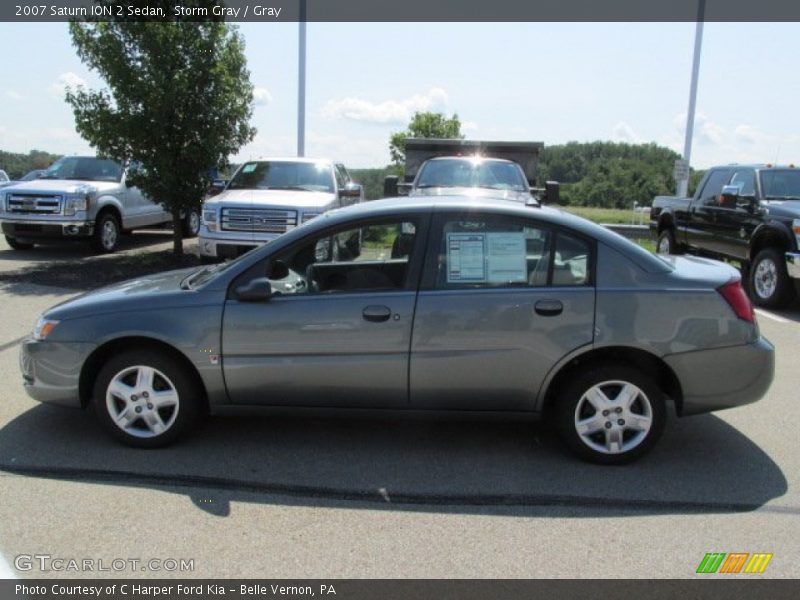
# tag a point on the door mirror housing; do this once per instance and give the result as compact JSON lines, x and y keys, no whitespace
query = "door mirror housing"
{"x":258,"y":289}
{"x":352,"y":191}
{"x":552,"y":192}
{"x":729,"y":196}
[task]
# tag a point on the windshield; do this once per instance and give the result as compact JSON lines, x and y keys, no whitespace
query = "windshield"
{"x":780,"y":184}
{"x":275,"y":175}
{"x":84,"y":168}
{"x":465,"y":172}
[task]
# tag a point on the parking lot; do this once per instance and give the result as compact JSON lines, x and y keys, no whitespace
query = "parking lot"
{"x":291,"y":498}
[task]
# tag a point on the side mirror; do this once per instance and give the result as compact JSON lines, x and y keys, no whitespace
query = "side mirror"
{"x":404,"y":189}
{"x":352,"y":191}
{"x":390,"y":183}
{"x":729,"y":196}
{"x":552,"y":192}
{"x":256,"y":290}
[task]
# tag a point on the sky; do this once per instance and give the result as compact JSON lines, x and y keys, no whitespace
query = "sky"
{"x":549,"y":82}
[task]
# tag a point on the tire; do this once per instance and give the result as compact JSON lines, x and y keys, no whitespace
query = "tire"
{"x":125,"y":406}
{"x":107,"y":232}
{"x":190,"y":224}
{"x":666,"y":243}
{"x":627,"y":432}
{"x":17,"y":245}
{"x":769,"y":282}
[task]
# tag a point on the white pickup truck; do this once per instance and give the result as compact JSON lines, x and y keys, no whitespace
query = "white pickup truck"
{"x":81,"y":198}
{"x":268,"y":197}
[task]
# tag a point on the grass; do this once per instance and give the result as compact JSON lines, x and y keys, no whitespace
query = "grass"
{"x":607,"y":215}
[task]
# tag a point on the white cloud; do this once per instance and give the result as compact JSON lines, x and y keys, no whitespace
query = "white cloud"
{"x":388,"y":111}
{"x":622,"y":132}
{"x":467,"y":126}
{"x":706,"y":131}
{"x":64,"y":81}
{"x":261,"y":96}
{"x":14,"y":95}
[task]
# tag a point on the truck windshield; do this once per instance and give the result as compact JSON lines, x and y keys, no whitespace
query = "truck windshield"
{"x":84,"y":168}
{"x":466,"y":172}
{"x":283,"y":175}
{"x":780,"y":184}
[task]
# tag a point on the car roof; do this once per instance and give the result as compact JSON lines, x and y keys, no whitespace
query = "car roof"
{"x":471,"y":157}
{"x":296,"y":159}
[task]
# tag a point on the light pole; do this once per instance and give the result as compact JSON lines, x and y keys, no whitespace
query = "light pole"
{"x":683,"y":182}
{"x":301,"y":82}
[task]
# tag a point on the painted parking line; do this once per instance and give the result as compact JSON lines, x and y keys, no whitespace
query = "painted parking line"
{"x":769,"y":315}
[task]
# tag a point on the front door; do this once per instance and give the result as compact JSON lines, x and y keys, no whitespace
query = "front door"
{"x":503,"y":300}
{"x":336,"y":331}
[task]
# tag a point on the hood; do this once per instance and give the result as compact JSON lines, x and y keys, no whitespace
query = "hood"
{"x":474,"y":192}
{"x":783,"y":208}
{"x":61,"y":186}
{"x":275,"y":198}
{"x":159,"y":291}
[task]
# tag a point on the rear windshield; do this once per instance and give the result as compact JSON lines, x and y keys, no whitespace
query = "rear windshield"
{"x":283,"y":175}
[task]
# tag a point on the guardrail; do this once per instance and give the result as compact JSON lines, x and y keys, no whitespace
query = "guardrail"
{"x":629,"y":231}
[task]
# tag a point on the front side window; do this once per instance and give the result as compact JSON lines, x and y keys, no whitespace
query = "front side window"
{"x":713,"y":187}
{"x":370,"y":257}
{"x":283,"y":175}
{"x":745,"y":180}
{"x":505,"y":252}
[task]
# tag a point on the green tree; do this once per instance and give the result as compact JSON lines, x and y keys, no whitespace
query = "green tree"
{"x":179,"y":101}
{"x":423,"y":125}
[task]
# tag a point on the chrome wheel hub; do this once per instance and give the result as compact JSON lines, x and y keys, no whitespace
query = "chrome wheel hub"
{"x":194,"y":222}
{"x":142,"y":401}
{"x":613,"y":417}
{"x":765,"y":279}
{"x":109,"y":234}
{"x":664,"y":246}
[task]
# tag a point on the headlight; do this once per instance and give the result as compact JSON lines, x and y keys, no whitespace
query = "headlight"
{"x":44,"y":327}
{"x":75,"y":203}
{"x":307,"y":216}
{"x":210,"y":218}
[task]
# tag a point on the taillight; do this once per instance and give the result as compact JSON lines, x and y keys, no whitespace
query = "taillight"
{"x":736,"y":297}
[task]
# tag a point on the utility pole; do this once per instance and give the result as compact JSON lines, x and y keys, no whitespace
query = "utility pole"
{"x":301,"y":82}
{"x":682,"y":171}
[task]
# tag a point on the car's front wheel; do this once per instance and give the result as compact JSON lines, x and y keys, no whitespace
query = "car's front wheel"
{"x":666,"y":242}
{"x":107,"y":232}
{"x":610,"y":414}
{"x":190,"y":224}
{"x":770,"y":284}
{"x":146,"y":398}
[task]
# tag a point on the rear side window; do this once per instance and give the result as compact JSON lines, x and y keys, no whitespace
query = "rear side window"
{"x":497,"y":252}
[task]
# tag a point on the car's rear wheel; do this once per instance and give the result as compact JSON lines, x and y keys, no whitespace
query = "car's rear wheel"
{"x":610,"y":414}
{"x":190,"y":224}
{"x":15,"y":244}
{"x":146,"y":398}
{"x":107,"y":232}
{"x":666,"y":242}
{"x":770,"y":284}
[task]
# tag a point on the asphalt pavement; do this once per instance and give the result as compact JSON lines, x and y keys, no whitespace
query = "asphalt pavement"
{"x":301,"y":497}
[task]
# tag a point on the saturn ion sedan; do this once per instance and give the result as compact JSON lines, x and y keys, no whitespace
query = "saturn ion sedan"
{"x":431,"y":305}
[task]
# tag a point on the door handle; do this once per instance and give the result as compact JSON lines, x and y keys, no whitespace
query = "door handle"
{"x":376,"y":313}
{"x":548,"y":308}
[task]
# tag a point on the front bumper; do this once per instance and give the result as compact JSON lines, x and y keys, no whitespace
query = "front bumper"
{"x":224,"y":245}
{"x":721,"y":378}
{"x":24,"y":229}
{"x":51,"y":370}
{"x":793,"y":264}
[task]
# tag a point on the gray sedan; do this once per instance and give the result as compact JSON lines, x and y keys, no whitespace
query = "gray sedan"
{"x":434,"y":305}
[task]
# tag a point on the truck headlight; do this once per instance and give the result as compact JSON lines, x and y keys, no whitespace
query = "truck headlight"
{"x":44,"y":327}
{"x":210,"y":218}
{"x":307,"y":216}
{"x":75,"y":203}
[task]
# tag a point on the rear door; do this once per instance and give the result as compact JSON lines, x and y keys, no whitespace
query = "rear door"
{"x":503,"y":299}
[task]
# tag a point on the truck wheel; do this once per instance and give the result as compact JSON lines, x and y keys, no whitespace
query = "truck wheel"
{"x":610,"y":414}
{"x":770,"y":284}
{"x":190,"y":224}
{"x":17,"y":245}
{"x":666,"y":243}
{"x":106,"y":233}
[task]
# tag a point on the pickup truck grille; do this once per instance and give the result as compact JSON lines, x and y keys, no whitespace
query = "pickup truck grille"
{"x":33,"y":204}
{"x":264,"y":220}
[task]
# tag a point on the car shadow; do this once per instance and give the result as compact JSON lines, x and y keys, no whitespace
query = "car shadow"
{"x":701,"y":465}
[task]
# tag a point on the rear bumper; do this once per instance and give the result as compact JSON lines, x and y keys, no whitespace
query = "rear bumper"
{"x":51,"y":370}
{"x":793,"y":264}
{"x":723,"y":377}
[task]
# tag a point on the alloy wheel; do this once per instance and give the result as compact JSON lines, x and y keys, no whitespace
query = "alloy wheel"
{"x":142,"y":401}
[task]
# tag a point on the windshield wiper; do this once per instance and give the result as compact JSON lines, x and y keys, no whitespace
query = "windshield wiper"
{"x":434,"y":185}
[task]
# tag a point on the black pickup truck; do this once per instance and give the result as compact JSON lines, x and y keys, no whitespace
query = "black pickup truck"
{"x":745,"y":213}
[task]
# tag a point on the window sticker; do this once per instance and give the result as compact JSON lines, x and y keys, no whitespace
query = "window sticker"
{"x":466,"y":257}
{"x":506,"y":257}
{"x":249,"y":168}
